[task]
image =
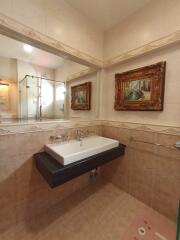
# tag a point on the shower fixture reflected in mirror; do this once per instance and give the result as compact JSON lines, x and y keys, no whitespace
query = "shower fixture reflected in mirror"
{"x":41,"y":98}
{"x":32,"y":82}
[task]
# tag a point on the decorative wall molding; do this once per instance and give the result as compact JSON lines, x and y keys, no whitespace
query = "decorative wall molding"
{"x":82,"y":73}
{"x":165,"y":41}
{"x":79,"y":123}
{"x":171,"y":130}
{"x":4,"y":131}
{"x":46,"y":126}
{"x":23,"y":33}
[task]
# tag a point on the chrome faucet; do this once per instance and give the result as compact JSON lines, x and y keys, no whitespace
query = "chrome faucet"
{"x":79,"y":135}
{"x":82,"y":134}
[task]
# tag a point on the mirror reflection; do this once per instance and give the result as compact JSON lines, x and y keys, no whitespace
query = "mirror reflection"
{"x":32,"y":82}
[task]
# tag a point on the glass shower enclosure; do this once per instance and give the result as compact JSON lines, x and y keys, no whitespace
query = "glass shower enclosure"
{"x":41,"y":98}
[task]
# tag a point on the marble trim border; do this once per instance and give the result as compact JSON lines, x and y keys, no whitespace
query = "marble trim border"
{"x":21,"y":32}
{"x":171,"y":130}
{"x":44,"y":126}
{"x":68,"y":124}
{"x":165,"y":41}
{"x":80,"y":74}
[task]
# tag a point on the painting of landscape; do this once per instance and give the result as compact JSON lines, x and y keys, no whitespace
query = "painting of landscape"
{"x":137,"y":90}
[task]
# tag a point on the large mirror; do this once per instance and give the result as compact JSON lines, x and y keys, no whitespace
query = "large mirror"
{"x":34,"y":83}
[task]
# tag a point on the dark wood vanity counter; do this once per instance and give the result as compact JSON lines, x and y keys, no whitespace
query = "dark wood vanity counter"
{"x":57,"y":174}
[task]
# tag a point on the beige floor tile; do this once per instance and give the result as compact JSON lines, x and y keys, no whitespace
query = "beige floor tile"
{"x":100,"y":211}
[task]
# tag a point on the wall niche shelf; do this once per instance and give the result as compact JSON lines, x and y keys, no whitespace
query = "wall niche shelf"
{"x":56,"y":174}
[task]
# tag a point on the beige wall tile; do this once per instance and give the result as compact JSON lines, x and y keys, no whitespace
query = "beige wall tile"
{"x":24,"y":192}
{"x":166,"y":195}
{"x":150,"y":173}
{"x":8,"y":147}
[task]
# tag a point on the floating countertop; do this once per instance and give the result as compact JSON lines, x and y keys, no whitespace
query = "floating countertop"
{"x":56,"y":174}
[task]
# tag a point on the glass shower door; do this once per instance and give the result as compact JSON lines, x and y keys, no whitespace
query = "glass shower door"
{"x":23,"y":99}
{"x":32,"y":97}
{"x":47,"y":98}
{"x":41,"y":98}
{"x":29,"y":98}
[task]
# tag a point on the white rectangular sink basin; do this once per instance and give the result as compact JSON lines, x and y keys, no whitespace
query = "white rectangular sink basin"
{"x":74,"y":150}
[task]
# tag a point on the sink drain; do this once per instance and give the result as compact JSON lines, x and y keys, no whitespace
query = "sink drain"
{"x":141,"y":231}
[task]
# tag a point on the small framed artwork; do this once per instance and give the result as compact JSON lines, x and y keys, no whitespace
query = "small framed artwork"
{"x":141,"y":89}
{"x":81,"y":96}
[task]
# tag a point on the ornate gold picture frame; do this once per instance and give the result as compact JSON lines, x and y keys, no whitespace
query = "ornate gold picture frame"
{"x":141,"y":89}
{"x":81,"y":96}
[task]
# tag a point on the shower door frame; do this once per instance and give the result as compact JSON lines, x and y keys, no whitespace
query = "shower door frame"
{"x":39,"y":95}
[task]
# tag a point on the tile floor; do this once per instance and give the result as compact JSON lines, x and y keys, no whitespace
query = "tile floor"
{"x":100,"y":211}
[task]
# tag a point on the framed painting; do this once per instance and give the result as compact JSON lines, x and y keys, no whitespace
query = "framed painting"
{"x":141,"y":89}
{"x":81,"y":96}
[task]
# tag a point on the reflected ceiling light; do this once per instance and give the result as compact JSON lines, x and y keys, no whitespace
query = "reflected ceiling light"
{"x":28,"y":48}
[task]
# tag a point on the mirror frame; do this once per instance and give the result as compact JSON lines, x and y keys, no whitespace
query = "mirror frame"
{"x":13,"y":29}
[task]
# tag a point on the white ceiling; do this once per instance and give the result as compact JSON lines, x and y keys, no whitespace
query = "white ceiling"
{"x":11,"y":48}
{"x":107,"y":13}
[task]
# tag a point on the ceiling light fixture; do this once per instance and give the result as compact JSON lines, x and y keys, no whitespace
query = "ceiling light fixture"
{"x":28,"y":48}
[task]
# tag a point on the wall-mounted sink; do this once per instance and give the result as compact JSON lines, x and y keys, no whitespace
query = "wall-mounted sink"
{"x":60,"y":163}
{"x":74,"y":150}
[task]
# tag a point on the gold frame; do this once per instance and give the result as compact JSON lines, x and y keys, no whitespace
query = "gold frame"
{"x":86,"y":88}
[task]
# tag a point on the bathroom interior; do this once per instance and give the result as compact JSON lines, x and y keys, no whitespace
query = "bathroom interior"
{"x":89,"y":120}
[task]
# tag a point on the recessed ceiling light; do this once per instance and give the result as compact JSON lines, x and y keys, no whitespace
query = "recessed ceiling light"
{"x":28,"y":48}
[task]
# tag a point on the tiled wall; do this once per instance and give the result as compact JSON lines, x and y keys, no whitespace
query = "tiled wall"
{"x":24,"y":194}
{"x":150,"y":173}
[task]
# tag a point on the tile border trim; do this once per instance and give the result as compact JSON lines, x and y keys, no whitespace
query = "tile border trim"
{"x":68,"y":124}
{"x":80,"y":74}
{"x":165,"y":41}
{"x":21,"y":32}
{"x":171,"y":130}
